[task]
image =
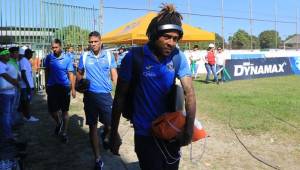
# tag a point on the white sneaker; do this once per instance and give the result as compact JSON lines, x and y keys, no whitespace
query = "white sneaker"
{"x":31,"y":119}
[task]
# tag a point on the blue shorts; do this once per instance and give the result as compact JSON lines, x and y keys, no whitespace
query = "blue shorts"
{"x":97,"y":106}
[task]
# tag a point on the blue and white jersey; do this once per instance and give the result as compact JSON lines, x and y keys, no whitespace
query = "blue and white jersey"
{"x":155,"y":82}
{"x":97,"y":70}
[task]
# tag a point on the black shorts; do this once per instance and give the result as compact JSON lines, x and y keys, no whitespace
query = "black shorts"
{"x":150,"y":155}
{"x":25,"y":96}
{"x":58,"y":98}
{"x":97,"y":105}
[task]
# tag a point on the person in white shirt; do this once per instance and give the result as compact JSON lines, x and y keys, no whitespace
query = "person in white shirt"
{"x":8,"y":83}
{"x":220,"y":60}
{"x":27,"y":85}
{"x":195,"y":57}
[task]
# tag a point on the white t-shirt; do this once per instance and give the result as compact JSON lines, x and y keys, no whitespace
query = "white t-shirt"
{"x":12,"y":72}
{"x":220,"y":59}
{"x":196,"y":55}
{"x":25,"y":65}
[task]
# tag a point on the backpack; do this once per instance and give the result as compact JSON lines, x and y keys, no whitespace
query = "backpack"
{"x":138,"y":62}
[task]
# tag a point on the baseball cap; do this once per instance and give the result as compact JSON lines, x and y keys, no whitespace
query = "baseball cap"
{"x":28,"y":51}
{"x":211,"y":45}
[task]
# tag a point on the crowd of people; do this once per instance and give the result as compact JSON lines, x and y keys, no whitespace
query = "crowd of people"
{"x":213,"y":60}
{"x":16,"y":89}
{"x":144,"y":78}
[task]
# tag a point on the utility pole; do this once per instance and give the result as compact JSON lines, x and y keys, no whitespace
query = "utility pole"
{"x":222,"y":11}
{"x":189,"y":11}
{"x":1,"y":19}
{"x":250,"y":20}
{"x":94,"y":19}
{"x":275,"y":13}
{"x":297,"y":41}
{"x":149,"y":5}
{"x":101,"y":8}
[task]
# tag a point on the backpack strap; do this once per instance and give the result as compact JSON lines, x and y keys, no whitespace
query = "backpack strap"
{"x":172,"y":96}
{"x":108,"y":53}
{"x":84,"y":56}
{"x":176,"y":63}
{"x":137,"y":64}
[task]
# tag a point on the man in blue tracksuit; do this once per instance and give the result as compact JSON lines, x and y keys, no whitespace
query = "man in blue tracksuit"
{"x":99,"y":67}
{"x":150,"y":100}
{"x":60,"y":82}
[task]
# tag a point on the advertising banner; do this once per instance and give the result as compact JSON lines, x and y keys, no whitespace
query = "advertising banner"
{"x":240,"y":69}
{"x":295,"y":64}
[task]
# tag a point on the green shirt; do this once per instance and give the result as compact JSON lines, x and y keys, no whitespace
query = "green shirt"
{"x":14,"y":63}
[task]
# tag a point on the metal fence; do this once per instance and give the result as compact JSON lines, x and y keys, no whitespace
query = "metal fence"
{"x":35,"y":23}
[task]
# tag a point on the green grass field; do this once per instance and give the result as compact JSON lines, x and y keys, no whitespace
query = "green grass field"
{"x":255,"y":106}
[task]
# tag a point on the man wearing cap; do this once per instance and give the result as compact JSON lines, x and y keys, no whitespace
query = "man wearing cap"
{"x":14,"y":60}
{"x":8,"y":83}
{"x":150,"y":98}
{"x":59,"y":83}
{"x":27,"y":84}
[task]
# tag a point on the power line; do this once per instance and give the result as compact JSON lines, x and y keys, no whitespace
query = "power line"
{"x":203,"y":15}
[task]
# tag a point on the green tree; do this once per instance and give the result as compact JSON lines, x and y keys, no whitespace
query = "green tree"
{"x":219,"y":40}
{"x":73,"y":35}
{"x":267,"y":39}
{"x":240,"y":40}
{"x":255,"y":42}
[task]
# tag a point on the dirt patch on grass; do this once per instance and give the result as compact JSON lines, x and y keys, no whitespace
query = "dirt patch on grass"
{"x":219,"y":151}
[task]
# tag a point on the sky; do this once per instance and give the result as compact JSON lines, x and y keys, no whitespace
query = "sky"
{"x":285,"y":10}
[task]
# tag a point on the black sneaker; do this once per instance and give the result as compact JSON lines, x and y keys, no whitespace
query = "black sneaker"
{"x":64,"y":138}
{"x":99,"y":165}
{"x":105,"y":140}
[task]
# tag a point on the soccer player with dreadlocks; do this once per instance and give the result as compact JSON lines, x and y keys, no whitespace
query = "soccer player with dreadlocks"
{"x":154,"y":81}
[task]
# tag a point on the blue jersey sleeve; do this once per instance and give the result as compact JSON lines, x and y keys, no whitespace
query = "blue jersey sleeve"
{"x":184,"y":69}
{"x":80,"y":64}
{"x":125,"y":71}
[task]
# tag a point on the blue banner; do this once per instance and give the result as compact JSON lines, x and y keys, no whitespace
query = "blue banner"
{"x":295,"y":64}
{"x":246,"y":56}
{"x":240,"y":69}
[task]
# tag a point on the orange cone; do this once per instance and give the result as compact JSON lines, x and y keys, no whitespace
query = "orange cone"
{"x":199,"y":132}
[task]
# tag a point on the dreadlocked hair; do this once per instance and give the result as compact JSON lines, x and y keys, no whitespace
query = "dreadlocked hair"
{"x":167,"y":15}
{"x":168,"y":9}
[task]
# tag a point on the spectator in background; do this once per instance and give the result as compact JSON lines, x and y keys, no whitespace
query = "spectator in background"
{"x":72,"y":55}
{"x":27,"y":84}
{"x":8,"y":83}
{"x":195,"y":57}
{"x":120,"y":56}
{"x":59,"y":78}
{"x":14,"y":60}
{"x":211,"y":63}
{"x":220,"y":60}
{"x":36,"y":68}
